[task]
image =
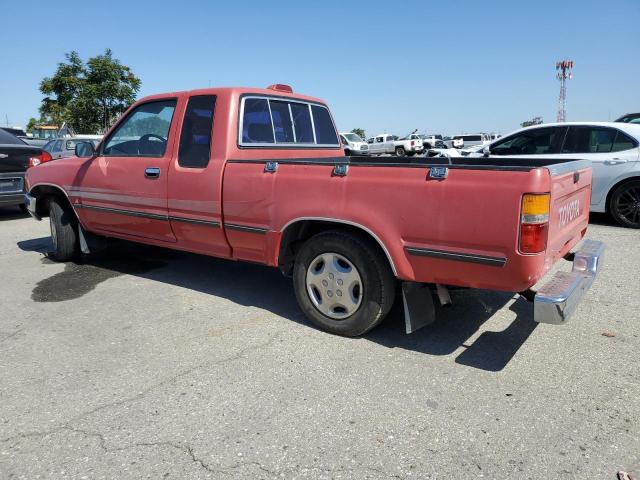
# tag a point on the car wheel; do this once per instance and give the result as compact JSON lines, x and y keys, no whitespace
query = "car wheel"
{"x":23,"y":208}
{"x":625,"y":204}
{"x":348,"y":152}
{"x":400,"y":152}
{"x":64,"y":231}
{"x":343,"y":283}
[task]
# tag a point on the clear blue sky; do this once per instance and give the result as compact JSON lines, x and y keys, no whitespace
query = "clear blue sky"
{"x":439,"y":66}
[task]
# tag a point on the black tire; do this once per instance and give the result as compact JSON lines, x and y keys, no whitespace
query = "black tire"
{"x":64,"y":231}
{"x":347,"y":152}
{"x":400,"y":152}
{"x":23,"y":208}
{"x":624,"y":205}
{"x":411,"y":154}
{"x":378,"y":282}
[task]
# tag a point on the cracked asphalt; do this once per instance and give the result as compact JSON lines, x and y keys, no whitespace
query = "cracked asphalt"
{"x":146,"y":363}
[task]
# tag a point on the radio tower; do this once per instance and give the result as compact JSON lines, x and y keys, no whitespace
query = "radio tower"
{"x":563,"y":72}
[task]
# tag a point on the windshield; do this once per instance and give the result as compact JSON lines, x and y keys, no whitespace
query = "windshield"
{"x":633,"y":118}
{"x":352,"y":137}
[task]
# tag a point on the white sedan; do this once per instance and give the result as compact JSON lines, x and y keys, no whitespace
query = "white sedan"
{"x":613,"y":148}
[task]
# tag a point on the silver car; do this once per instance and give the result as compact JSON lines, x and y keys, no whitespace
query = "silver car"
{"x":65,"y":147}
{"x":613,"y":148}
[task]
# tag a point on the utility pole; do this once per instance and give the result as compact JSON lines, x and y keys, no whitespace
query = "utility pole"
{"x":563,"y":73}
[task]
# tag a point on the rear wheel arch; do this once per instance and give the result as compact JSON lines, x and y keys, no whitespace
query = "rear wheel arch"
{"x":299,"y":231}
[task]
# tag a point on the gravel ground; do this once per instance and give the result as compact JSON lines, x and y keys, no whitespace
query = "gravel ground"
{"x":148,"y":363}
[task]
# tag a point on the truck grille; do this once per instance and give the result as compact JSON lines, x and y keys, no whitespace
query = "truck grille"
{"x":364,"y":147}
{"x":11,"y":185}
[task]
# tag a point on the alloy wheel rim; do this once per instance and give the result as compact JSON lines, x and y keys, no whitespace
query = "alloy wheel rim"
{"x":628,"y":205}
{"x":334,"y":285}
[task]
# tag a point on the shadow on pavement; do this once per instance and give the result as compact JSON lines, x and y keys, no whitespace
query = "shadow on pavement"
{"x":263,"y":287}
{"x":12,"y":213}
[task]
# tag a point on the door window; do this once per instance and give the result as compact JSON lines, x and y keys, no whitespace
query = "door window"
{"x":195,"y":138}
{"x":538,"y":141}
{"x":144,"y":132}
{"x":57,"y":147}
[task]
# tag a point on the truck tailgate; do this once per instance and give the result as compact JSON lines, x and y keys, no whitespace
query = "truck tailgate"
{"x":569,"y":210}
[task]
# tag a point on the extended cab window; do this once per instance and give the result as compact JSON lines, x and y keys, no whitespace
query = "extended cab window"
{"x":144,"y":132}
{"x":274,"y":121}
{"x":195,"y":138}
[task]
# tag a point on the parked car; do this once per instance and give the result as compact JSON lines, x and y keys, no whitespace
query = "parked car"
{"x":629,"y":118}
{"x":353,"y":144}
{"x":612,"y":148}
{"x":472,"y":139}
{"x":15,"y":157}
{"x":390,"y":144}
{"x":65,"y":147}
{"x":428,"y":141}
{"x":273,"y":186}
{"x":453,"y":142}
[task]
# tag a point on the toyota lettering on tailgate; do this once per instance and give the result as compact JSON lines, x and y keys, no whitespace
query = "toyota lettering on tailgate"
{"x":569,"y":212}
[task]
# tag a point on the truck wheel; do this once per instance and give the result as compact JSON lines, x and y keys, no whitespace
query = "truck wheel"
{"x":625,"y":204}
{"x":343,"y":284}
{"x":64,"y":231}
{"x":400,"y":152}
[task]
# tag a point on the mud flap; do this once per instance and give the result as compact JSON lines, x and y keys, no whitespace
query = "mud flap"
{"x":90,"y":243}
{"x":419,"y":310}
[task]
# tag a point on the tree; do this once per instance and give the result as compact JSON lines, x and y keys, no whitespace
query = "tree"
{"x":360,"y":132}
{"x":32,"y":123}
{"x":533,"y":121}
{"x":88,"y":96}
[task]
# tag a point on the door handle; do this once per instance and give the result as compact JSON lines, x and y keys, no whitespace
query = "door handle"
{"x":614,"y":161}
{"x":152,"y":172}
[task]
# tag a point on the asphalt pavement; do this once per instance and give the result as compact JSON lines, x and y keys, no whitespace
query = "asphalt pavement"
{"x":150,"y":363}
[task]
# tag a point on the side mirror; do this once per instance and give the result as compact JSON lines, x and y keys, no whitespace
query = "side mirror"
{"x":85,"y":149}
{"x":486,"y":151}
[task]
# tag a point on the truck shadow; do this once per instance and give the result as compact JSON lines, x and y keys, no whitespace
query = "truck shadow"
{"x":263,"y":287}
{"x":11,"y":213}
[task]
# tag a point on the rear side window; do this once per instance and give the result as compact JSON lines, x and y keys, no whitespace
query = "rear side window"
{"x":195,"y":138}
{"x":270,"y":121}
{"x":623,"y":142}
{"x":590,"y":140}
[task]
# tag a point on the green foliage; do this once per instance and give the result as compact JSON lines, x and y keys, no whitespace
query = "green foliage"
{"x":360,"y":132}
{"x":32,"y":123}
{"x":533,"y":121}
{"x":88,"y":96}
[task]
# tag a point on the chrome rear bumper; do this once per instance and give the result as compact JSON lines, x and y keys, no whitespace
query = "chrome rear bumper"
{"x":556,"y":300}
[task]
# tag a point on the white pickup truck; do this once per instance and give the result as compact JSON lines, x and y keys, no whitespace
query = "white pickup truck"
{"x":385,"y":143}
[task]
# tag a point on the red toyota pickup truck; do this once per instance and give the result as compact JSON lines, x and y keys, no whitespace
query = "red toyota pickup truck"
{"x":260,"y":175}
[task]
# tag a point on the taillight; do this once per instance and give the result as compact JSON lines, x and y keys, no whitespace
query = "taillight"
{"x":534,"y":222}
{"x":413,"y":142}
{"x":38,"y":159}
